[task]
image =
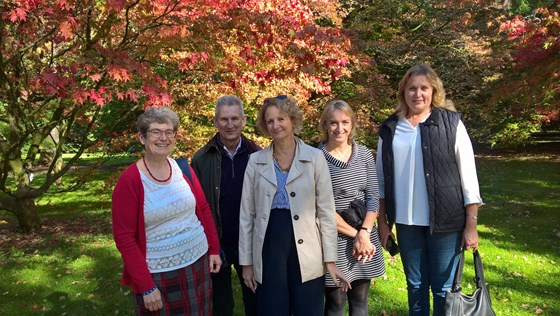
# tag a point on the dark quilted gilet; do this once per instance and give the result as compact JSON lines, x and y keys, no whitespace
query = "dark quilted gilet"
{"x":443,"y":180}
{"x":386,"y":132}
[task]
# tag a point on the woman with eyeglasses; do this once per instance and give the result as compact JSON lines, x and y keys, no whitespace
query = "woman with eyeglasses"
{"x":287,"y":230}
{"x":163,"y":227}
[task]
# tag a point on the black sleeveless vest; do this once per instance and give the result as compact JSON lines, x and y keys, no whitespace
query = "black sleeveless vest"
{"x":443,"y":181}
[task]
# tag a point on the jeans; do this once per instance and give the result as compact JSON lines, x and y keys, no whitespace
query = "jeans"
{"x":222,"y":291}
{"x":429,"y":260}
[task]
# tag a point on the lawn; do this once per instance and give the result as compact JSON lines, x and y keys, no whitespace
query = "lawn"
{"x":73,"y":268}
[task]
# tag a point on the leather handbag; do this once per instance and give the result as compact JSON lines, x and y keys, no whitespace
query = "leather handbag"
{"x":478,"y":303}
{"x":355,"y":213}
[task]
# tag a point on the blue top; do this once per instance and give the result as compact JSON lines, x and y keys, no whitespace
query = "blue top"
{"x":280,"y":199}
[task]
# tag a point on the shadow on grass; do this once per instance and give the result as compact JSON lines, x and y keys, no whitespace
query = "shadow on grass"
{"x":522,"y":230}
{"x":521,"y":234}
{"x":70,"y":268}
{"x":504,"y":282}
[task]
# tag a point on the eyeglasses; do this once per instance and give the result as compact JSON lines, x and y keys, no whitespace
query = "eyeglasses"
{"x":156,"y":133}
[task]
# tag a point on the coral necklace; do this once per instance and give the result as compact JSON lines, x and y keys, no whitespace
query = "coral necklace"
{"x":151,"y":175}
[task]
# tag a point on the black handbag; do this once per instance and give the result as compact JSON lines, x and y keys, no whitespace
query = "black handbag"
{"x":459,"y":303}
{"x":355,"y":213}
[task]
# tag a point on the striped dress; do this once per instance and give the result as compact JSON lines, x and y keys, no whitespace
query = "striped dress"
{"x":356,"y":178}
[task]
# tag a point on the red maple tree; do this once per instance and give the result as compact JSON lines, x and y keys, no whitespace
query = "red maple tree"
{"x":532,"y":88}
{"x":75,"y":73}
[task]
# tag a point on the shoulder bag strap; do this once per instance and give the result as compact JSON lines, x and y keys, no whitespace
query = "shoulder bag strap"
{"x":185,"y":168}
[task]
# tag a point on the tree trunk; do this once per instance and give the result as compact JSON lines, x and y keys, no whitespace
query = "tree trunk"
{"x":59,"y":163}
{"x":27,"y":216}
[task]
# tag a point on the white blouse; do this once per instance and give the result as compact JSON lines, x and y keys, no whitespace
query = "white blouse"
{"x":174,"y":236}
{"x":411,"y":195}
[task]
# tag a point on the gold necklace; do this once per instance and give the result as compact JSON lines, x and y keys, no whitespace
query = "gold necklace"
{"x":341,"y":155}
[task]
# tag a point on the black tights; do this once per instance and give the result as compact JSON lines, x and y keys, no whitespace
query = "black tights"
{"x":335,"y":299}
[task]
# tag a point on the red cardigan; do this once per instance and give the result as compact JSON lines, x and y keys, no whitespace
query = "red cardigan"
{"x":130,"y":234}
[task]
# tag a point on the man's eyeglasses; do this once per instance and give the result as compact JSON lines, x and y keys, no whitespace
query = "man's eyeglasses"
{"x":156,"y":133}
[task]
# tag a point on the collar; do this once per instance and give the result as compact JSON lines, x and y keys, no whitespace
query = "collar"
{"x":302,"y":153}
{"x":226,"y":150}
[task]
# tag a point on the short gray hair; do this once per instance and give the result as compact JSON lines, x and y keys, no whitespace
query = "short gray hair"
{"x":160,"y":115}
{"x":228,"y":100}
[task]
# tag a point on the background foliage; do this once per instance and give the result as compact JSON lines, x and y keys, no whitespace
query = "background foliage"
{"x":74,"y":75}
{"x":77,"y":73}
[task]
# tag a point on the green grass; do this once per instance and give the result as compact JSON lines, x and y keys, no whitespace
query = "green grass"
{"x":73,"y":267}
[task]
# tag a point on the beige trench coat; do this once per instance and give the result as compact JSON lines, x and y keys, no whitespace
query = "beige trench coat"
{"x":311,"y":206}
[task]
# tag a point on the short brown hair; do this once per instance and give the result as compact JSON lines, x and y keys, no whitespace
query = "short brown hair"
{"x":285,"y":104}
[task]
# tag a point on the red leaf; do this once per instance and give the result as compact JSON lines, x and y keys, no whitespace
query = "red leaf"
{"x":132,"y":95}
{"x":97,"y":98}
{"x":65,"y":29}
{"x":118,"y":73}
{"x":79,"y":97}
{"x":18,"y":14}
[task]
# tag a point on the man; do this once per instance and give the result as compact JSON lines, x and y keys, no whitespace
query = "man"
{"x":220,"y":167}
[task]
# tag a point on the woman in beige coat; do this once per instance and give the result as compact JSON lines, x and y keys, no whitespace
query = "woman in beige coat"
{"x":287,"y":231}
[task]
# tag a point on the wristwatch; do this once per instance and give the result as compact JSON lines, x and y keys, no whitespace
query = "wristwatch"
{"x":366,"y":229}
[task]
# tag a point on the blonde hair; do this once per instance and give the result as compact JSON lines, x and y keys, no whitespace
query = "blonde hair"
{"x":438,"y":96}
{"x":285,"y":104}
{"x":329,"y":109}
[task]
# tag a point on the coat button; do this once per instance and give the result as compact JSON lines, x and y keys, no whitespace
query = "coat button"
{"x":292,"y":194}
{"x":427,"y":174}
{"x":300,"y":241}
{"x":296,"y":217}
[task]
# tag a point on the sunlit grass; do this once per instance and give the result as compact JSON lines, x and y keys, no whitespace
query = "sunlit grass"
{"x":73,"y":267}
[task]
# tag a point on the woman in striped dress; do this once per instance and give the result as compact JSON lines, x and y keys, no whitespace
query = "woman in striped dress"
{"x":353,"y":175}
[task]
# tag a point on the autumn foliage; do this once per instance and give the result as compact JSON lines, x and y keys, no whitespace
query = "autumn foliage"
{"x":100,"y":51}
{"x":74,"y":74}
{"x":535,"y":40}
{"x":83,"y":69}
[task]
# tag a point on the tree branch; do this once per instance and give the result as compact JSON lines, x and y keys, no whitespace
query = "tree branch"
{"x":7,"y":203}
